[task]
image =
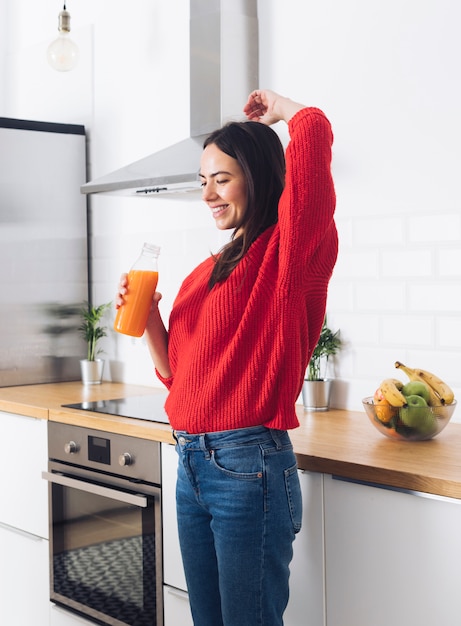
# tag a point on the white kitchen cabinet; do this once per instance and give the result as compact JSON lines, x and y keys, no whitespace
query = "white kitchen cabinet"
{"x":24,"y":494}
{"x":173,"y":571}
{"x":392,"y":557}
{"x":306,"y":604}
{"x":175,"y":599}
{"x":24,"y":586}
{"x":24,"y":571}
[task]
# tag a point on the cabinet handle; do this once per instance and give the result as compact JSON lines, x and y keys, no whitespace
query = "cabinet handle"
{"x":183,"y":595}
{"x":23,"y":533}
{"x":98,"y":490}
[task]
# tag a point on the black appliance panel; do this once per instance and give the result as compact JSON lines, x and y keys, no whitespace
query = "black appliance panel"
{"x":140,"y":407}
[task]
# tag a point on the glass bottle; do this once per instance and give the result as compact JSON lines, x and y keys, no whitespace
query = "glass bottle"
{"x":131,"y":317}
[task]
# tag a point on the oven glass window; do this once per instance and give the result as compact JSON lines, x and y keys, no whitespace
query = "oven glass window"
{"x":104,"y":556}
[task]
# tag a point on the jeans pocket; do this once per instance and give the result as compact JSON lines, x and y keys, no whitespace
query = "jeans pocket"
{"x":294,"y":497}
{"x":240,"y":462}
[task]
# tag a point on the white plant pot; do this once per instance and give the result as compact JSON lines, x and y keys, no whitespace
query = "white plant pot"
{"x":91,"y":371}
{"x":316,"y":394}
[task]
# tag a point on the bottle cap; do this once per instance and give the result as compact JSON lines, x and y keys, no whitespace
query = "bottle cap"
{"x":151,"y":248}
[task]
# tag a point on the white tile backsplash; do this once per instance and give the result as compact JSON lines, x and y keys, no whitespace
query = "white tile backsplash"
{"x":380,"y":295}
{"x":402,"y":330}
{"x":357,"y":264}
{"x":435,"y":228}
{"x":408,"y":262}
{"x":438,"y":297}
{"x":449,"y":261}
{"x":448,"y":332}
{"x":372,"y":231}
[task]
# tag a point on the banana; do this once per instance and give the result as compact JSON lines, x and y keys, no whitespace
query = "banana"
{"x":443,"y":391}
{"x":434,"y":399}
{"x":390,"y":388}
{"x":440,"y":392}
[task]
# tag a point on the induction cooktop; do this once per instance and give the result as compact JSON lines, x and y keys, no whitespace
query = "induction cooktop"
{"x":149,"y":407}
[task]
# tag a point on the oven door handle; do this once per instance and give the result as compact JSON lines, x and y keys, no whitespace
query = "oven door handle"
{"x":98,"y":490}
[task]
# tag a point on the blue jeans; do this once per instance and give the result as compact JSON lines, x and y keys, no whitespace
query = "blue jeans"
{"x":239,"y":507}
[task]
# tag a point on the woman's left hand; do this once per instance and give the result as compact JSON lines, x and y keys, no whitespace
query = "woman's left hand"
{"x":268,"y":107}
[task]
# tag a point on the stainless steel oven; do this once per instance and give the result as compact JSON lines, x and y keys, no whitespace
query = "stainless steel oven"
{"x":105,"y":525}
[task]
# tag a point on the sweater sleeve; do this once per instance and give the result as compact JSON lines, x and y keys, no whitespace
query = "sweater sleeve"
{"x":166,"y":381}
{"x":307,"y":205}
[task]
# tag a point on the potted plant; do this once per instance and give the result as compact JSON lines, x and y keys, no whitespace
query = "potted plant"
{"x":316,"y":387}
{"x":92,"y":331}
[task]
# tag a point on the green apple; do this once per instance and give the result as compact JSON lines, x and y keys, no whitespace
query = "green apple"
{"x":429,"y":425}
{"x":416,"y":388}
{"x":415,"y":412}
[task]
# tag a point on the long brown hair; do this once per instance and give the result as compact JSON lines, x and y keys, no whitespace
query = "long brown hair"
{"x":259,"y":152}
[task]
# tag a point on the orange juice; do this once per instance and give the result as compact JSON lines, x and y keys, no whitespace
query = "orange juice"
{"x":131,"y":317}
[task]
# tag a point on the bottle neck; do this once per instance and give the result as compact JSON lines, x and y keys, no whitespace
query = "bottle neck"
{"x":150,"y":250}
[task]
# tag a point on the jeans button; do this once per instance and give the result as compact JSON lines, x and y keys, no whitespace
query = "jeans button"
{"x":181,"y":441}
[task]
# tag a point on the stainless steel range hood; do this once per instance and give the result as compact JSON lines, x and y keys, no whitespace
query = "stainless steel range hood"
{"x":223,"y":71}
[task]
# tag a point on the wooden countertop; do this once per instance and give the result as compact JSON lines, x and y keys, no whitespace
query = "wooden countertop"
{"x":337,"y":442}
{"x":44,"y":402}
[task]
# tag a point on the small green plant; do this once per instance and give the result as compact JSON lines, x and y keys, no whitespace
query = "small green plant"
{"x":329,"y":344}
{"x":91,"y":329}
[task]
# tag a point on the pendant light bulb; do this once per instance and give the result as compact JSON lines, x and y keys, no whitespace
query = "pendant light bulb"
{"x":62,"y":53}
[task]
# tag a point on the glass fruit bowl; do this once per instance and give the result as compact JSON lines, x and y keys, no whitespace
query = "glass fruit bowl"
{"x":426,"y":421}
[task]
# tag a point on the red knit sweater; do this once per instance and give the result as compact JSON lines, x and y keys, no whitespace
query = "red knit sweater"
{"x":239,"y":352}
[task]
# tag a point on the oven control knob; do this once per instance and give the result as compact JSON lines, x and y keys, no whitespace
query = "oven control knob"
{"x":125,"y":459}
{"x":71,"y":447}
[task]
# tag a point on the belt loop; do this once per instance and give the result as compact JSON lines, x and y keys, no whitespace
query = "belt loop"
{"x":203,"y":447}
{"x":275,"y":438}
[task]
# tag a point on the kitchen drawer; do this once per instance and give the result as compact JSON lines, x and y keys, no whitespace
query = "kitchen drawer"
{"x":24,"y":586}
{"x":23,"y":492}
{"x":176,"y":607}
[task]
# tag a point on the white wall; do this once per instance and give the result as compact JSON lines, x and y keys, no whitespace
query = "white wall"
{"x":385,"y":72}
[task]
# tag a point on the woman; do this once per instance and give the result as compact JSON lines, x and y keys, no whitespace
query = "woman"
{"x":241,"y":332}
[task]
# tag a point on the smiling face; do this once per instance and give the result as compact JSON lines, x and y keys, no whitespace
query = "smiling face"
{"x":224,"y":187}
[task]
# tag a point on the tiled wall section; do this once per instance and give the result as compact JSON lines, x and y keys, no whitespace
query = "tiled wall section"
{"x":396,"y":295}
